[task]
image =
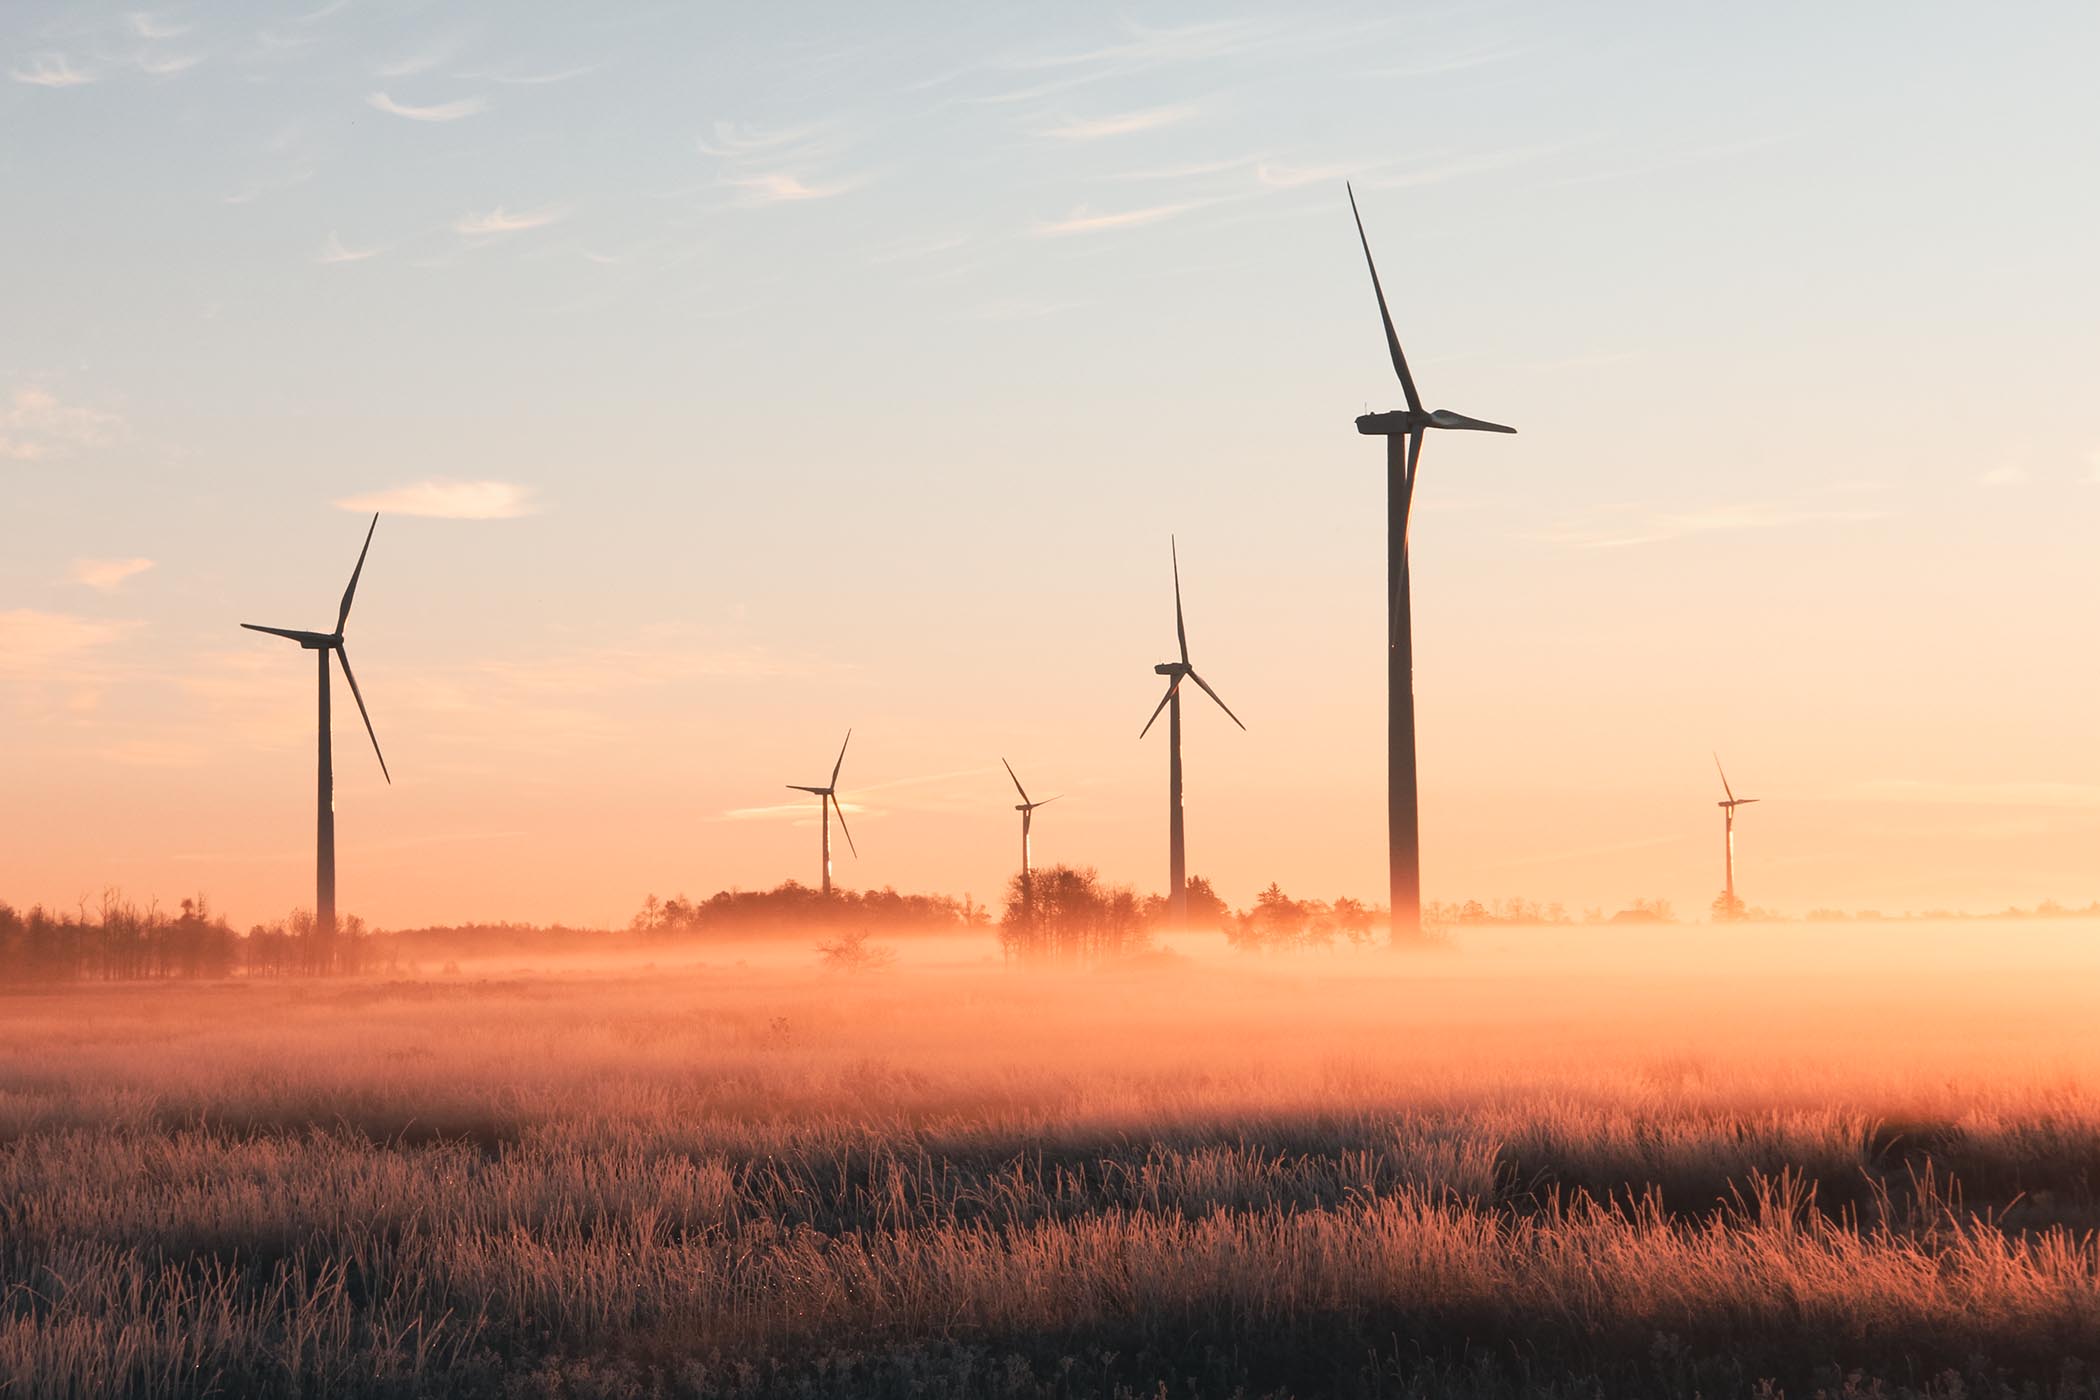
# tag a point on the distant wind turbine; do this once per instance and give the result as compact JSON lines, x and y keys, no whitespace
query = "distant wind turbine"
{"x":1027,"y":810}
{"x":1177,"y":672}
{"x":827,"y":803}
{"x":1728,"y":818}
{"x":324,"y":643}
{"x":1403,"y":430}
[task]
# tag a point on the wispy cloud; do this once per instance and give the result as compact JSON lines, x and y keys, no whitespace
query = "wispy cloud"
{"x":34,"y":426}
{"x":778,"y":187}
{"x":1082,"y":220}
{"x":167,"y":65}
{"x":334,"y":252}
{"x":33,"y":642}
{"x":1094,"y":129}
{"x":538,"y":79}
{"x":51,"y":70}
{"x":1616,"y":526}
{"x":2012,"y":794}
{"x":448,"y":500}
{"x":107,"y":574}
{"x":438,"y":112}
{"x":151,"y":26}
{"x":416,"y":61}
{"x":500,"y":220}
{"x":2004,"y":476}
{"x":785,"y":166}
{"x":2092,"y":466}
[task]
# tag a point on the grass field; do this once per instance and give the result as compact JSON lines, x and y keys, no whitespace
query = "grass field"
{"x":1853,"y":1161}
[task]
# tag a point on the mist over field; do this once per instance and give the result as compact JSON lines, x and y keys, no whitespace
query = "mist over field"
{"x":1650,"y":1162}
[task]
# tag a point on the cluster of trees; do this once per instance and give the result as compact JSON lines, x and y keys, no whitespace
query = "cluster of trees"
{"x":122,"y":941}
{"x":1065,"y":916}
{"x":1278,"y":923}
{"x":793,"y":909}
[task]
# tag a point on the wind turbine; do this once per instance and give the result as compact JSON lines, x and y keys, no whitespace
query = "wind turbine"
{"x":1728,"y":817}
{"x":1027,"y":810}
{"x":828,"y":802}
{"x":1177,"y":672}
{"x":323,"y":643}
{"x":1403,"y":430}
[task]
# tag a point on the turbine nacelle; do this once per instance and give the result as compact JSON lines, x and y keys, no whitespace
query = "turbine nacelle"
{"x":312,"y":641}
{"x":1402,"y":421}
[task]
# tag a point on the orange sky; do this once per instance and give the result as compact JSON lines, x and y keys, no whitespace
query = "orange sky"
{"x":720,"y":392}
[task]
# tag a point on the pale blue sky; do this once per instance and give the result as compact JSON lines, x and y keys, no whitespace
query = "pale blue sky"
{"x":850,"y":365}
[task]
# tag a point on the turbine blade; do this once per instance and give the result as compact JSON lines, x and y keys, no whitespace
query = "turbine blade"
{"x":1017,"y":782}
{"x":344,"y":657}
{"x":1724,"y":778}
{"x":842,"y":824}
{"x":1392,"y":339}
{"x":296,"y":636}
{"x":351,"y":592}
{"x":1181,"y":632}
{"x":842,"y":761}
{"x":1214,"y":695}
{"x":1048,"y":800}
{"x":1176,"y":685}
{"x":1746,"y":801}
{"x":798,"y":787}
{"x":1445,"y":418}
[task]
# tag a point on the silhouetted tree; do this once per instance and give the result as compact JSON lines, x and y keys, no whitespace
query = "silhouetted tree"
{"x":1066,"y":915}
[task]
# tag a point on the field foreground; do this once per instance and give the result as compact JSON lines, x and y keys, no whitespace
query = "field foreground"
{"x":1851,"y":1161}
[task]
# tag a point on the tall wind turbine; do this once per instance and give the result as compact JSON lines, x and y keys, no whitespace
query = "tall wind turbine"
{"x":1177,"y":672}
{"x":323,"y":643}
{"x":1728,"y":818}
{"x":827,"y":803}
{"x":1027,"y":810}
{"x":1403,"y":430}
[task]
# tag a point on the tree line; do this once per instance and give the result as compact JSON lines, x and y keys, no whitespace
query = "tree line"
{"x":120,"y":940}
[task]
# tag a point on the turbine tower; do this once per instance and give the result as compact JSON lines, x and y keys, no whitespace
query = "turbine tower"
{"x":1027,"y":810}
{"x":827,"y":803}
{"x":1177,"y":672}
{"x":323,"y":643}
{"x":1729,"y":902}
{"x":1403,"y":430}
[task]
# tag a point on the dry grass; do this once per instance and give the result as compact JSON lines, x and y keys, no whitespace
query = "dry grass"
{"x":1581,"y":1166}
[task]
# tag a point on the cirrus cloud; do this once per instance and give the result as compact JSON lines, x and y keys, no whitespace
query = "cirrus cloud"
{"x":448,"y":500}
{"x":51,"y":70}
{"x":437,"y":112}
{"x":107,"y":574}
{"x":501,"y":220}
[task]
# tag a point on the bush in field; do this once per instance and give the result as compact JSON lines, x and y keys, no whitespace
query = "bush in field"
{"x":1066,"y":915}
{"x":852,"y":952}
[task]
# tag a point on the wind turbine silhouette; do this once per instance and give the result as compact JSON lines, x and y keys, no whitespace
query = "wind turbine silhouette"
{"x":827,"y":803}
{"x":1177,"y":672}
{"x":1027,"y":810}
{"x":1728,"y":809}
{"x":324,"y":836}
{"x":1403,"y":430}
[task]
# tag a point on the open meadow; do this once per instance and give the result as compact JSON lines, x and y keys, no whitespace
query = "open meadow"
{"x":1853,"y":1160}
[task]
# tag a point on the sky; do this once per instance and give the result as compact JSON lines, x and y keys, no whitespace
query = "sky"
{"x":727,"y":376}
